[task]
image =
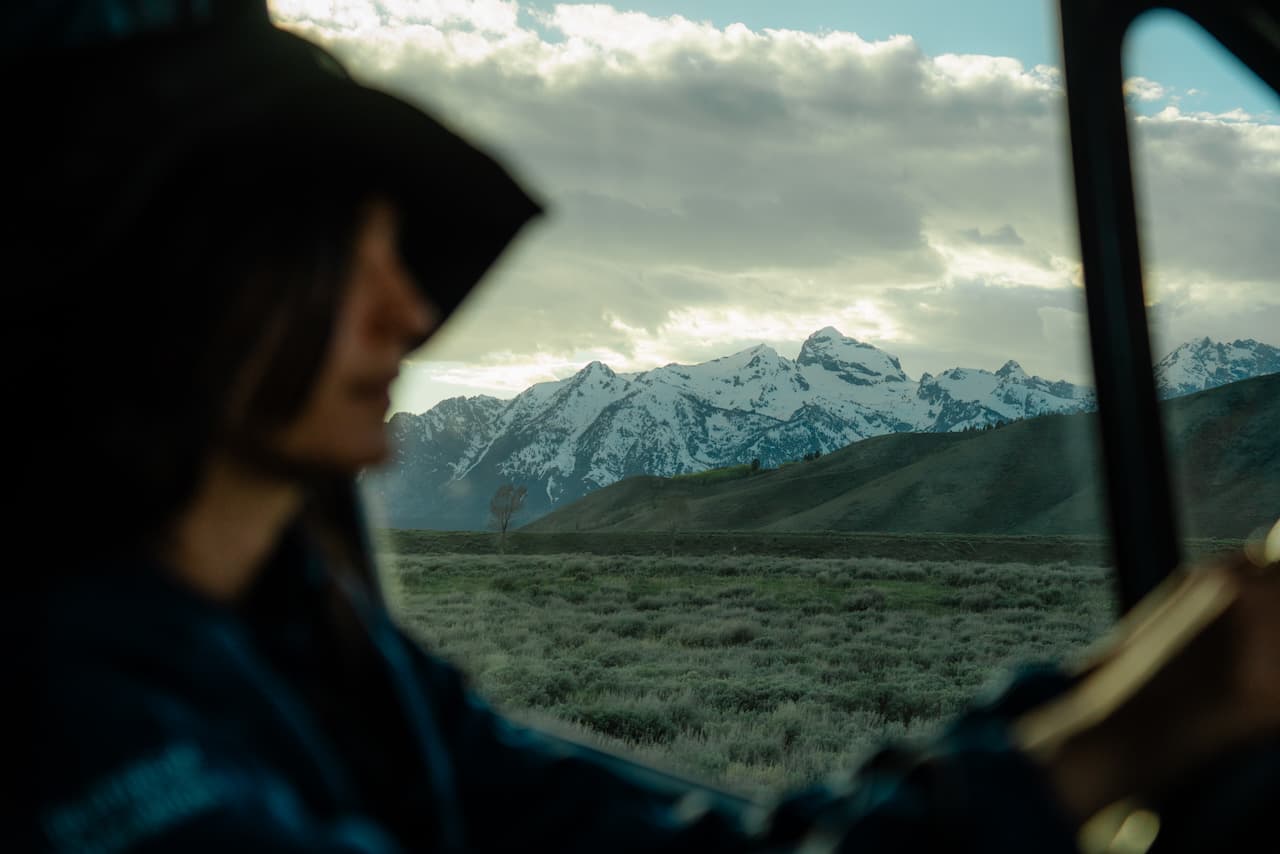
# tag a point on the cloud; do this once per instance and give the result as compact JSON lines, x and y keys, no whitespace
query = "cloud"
{"x":710,"y":187}
{"x":398,"y":20}
{"x":1142,"y":89}
{"x":1005,"y":235}
{"x":1209,"y":193}
{"x":1043,"y":328}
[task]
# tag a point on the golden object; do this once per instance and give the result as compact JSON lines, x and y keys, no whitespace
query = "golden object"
{"x":1160,"y":637}
{"x":1122,"y":828}
{"x":1145,"y":640}
{"x":1263,"y":548}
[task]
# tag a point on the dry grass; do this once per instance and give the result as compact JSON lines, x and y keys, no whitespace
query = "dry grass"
{"x":753,"y":672}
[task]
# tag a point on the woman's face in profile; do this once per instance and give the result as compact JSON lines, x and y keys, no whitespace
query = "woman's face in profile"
{"x":382,"y":315}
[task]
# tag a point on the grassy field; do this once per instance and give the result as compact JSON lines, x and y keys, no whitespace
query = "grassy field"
{"x":985,"y":548}
{"x":757,"y":672}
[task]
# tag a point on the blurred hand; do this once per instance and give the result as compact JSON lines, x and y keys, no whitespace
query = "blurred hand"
{"x":1191,"y":672}
{"x":1255,"y":645}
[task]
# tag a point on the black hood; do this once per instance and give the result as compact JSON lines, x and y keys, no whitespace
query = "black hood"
{"x":112,"y":100}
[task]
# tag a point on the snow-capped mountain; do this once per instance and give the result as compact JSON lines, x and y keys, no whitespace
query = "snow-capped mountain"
{"x":1205,"y":364}
{"x":564,"y":439}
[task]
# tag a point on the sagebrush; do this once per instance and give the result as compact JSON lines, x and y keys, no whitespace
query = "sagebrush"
{"x":752,"y":672}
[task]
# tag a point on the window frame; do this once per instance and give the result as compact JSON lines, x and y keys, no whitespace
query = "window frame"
{"x":1143,"y":524}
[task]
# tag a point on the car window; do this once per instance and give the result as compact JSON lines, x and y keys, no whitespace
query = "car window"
{"x":1206,"y":152}
{"x":772,"y":440}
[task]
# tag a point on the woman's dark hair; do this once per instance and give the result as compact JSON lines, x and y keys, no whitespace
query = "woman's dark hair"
{"x":204,"y":325}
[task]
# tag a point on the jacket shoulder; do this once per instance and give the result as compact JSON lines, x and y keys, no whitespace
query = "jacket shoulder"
{"x":143,"y":732}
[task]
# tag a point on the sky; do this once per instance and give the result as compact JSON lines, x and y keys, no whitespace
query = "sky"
{"x":719,"y":175}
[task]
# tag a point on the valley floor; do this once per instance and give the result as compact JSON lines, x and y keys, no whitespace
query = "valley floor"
{"x":756,"y":672}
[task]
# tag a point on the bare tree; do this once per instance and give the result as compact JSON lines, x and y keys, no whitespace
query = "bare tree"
{"x":678,"y":511}
{"x":506,"y":502}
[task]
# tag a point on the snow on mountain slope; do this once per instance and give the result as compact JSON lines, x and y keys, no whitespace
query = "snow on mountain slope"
{"x":854,"y":362}
{"x":453,"y":431}
{"x":554,"y":425}
{"x":1199,"y":365}
{"x":563,"y":439}
{"x":660,"y":429}
{"x":964,"y":397}
{"x":753,"y":380}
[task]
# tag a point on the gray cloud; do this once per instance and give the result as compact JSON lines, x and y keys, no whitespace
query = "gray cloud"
{"x":1209,"y":193}
{"x":698,"y":175}
{"x":1043,"y":328}
{"x":1005,"y":235}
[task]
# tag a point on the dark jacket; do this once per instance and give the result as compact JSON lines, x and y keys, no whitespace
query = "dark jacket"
{"x":162,"y":721}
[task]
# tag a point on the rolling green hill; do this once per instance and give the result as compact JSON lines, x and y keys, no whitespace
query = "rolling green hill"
{"x":1039,"y":476}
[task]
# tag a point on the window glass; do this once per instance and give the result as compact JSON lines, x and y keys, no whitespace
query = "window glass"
{"x":787,"y":395}
{"x":1206,"y":150}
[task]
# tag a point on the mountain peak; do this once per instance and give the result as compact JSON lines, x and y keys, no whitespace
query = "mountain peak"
{"x":851,"y":360}
{"x":1204,"y":363}
{"x":1011,"y":369}
{"x":754,"y":350}
{"x":595,"y":374}
{"x":830,"y":332}
{"x":597,"y":368}
{"x":569,"y":437}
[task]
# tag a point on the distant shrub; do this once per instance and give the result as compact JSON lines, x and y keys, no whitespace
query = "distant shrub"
{"x":687,"y":713}
{"x":904,"y":704}
{"x":660,"y":625}
{"x":504,"y":584}
{"x":812,"y":607}
{"x":896,"y":570}
{"x":1052,"y":596}
{"x":789,"y":722}
{"x":616,"y":656}
{"x":626,"y":626}
{"x":756,"y":748}
{"x":731,"y":568}
{"x":765,"y":604}
{"x":737,"y":633}
{"x":820,"y":635}
{"x":577,"y":569}
{"x":976,"y":599}
{"x":737,"y":592}
{"x":720,"y":475}
{"x":635,"y":725}
{"x":867,"y":599}
{"x":693,"y":635}
{"x":745,"y":696}
{"x":523,"y":686}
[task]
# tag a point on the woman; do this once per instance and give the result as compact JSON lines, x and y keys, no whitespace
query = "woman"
{"x":204,"y":654}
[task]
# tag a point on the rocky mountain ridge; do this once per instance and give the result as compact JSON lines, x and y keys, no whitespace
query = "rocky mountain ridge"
{"x":565,"y":439}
